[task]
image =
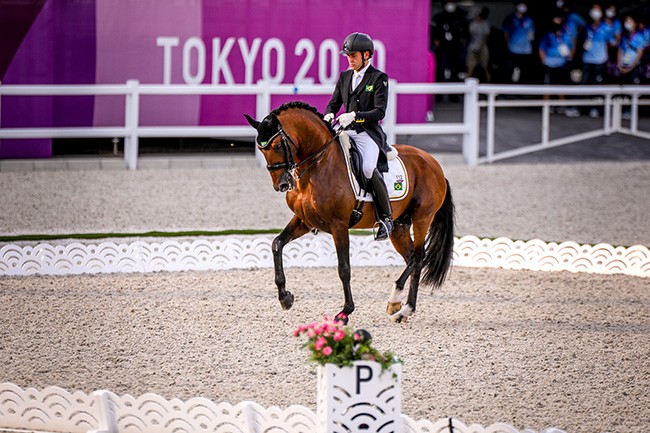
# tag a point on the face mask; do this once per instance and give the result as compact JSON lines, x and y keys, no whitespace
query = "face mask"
{"x":629,"y":26}
{"x":595,"y":14}
{"x":522,"y":9}
{"x":610,"y":13}
{"x":450,"y":7}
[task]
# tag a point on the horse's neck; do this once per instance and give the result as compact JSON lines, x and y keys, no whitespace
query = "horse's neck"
{"x":331,"y":164}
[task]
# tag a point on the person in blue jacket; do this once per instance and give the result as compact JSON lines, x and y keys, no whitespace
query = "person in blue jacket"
{"x":556,"y":50}
{"x":615,"y":28}
{"x":595,"y":54}
{"x":519,"y":32}
{"x":630,"y":53}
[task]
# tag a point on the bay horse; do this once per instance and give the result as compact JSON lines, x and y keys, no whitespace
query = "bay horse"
{"x":306,"y":161}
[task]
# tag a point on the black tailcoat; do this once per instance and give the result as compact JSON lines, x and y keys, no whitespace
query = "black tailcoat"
{"x":368,"y":101}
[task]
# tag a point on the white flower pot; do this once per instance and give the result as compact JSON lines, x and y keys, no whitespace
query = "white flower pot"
{"x":360,"y":398}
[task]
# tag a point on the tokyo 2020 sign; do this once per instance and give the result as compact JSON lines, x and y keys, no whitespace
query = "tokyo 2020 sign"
{"x":211,"y":42}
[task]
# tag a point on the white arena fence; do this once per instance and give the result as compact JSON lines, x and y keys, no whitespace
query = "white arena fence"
{"x":476,"y":97}
{"x":246,"y":252}
{"x":56,"y":410}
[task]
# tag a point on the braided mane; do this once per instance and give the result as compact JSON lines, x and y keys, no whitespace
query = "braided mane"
{"x":305,"y":106}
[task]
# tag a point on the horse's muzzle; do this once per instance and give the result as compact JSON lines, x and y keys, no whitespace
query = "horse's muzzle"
{"x":286,"y":183}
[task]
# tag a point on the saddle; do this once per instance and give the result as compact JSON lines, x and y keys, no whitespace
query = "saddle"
{"x":356,"y":163}
{"x":395,"y":177}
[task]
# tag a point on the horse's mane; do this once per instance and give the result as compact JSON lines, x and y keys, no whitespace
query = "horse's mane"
{"x":304,"y":106}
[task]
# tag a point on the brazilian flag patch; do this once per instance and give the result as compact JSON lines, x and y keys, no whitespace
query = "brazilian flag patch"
{"x":397,"y":186}
{"x":370,"y":88}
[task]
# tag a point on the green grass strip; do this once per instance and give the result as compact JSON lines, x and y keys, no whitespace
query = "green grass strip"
{"x":153,"y":234}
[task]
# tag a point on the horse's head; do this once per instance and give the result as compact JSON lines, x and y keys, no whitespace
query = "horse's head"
{"x":275,"y":145}
{"x":306,"y":139}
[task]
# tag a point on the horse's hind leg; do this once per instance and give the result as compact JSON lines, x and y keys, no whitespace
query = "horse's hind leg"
{"x":415,"y":264}
{"x":293,"y":230}
{"x":401,"y":239}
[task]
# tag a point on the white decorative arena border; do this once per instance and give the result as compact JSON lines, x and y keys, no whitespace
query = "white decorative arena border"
{"x":244,"y":252}
{"x":56,"y":410}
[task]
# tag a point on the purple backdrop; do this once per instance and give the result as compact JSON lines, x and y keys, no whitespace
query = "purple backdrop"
{"x":216,"y":42}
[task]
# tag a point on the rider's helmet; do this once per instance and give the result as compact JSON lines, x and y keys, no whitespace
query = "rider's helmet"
{"x":358,"y":42}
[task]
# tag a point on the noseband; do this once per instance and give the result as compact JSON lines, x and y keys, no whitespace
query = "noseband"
{"x":288,"y":164}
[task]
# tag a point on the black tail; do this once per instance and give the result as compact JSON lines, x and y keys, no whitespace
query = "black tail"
{"x":439,"y":245}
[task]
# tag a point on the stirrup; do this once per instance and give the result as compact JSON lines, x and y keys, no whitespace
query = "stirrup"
{"x":382,"y":229}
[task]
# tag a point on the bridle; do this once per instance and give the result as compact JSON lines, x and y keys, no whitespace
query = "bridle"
{"x":288,"y":164}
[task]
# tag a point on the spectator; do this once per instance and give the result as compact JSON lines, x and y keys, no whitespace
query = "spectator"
{"x":574,"y":24}
{"x":630,"y":53}
{"x":449,"y":37}
{"x":477,"y":50}
{"x":643,"y":27}
{"x":573,"y":21}
{"x":555,"y":51}
{"x":519,"y":33}
{"x":594,"y":55}
{"x":615,"y":31}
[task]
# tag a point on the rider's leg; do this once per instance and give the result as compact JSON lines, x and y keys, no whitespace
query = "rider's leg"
{"x":382,"y":205}
{"x":370,"y":153}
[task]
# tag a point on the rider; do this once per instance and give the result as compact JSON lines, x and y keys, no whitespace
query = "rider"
{"x":362,"y":90}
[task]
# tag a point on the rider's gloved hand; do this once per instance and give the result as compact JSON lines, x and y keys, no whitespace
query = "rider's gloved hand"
{"x":346,"y":118}
{"x":328,"y":117}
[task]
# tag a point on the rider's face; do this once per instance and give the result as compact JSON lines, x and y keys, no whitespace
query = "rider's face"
{"x":355,"y":60}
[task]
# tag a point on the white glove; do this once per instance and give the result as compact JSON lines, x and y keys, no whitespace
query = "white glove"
{"x":346,"y":118}
{"x":328,"y":117}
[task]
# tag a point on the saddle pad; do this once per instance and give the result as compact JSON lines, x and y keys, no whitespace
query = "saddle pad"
{"x":396,"y":179}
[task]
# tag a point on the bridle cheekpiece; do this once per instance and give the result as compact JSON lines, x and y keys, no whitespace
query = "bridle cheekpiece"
{"x":288,"y":164}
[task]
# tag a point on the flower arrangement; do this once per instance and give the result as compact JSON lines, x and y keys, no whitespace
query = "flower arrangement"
{"x":331,"y":342}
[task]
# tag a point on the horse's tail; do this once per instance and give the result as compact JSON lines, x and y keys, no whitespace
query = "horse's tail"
{"x":439,"y":245}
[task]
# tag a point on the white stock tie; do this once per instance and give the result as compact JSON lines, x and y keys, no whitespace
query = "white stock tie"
{"x":355,"y":81}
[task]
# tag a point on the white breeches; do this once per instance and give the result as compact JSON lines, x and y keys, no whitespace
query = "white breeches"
{"x":369,"y":151}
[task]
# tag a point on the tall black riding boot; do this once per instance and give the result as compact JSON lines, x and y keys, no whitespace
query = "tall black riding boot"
{"x":382,"y":206}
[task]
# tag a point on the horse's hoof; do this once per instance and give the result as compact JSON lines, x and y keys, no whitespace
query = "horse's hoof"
{"x":402,"y":315}
{"x":342,"y":317}
{"x":287,"y":301}
{"x":393,"y":307}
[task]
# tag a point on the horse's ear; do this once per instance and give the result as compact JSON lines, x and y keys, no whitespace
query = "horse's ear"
{"x":252,"y":122}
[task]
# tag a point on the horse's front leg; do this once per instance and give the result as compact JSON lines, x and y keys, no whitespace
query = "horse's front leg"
{"x":293,"y":230}
{"x":342,"y":244}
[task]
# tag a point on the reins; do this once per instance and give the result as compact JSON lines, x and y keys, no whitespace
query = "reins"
{"x":288,"y":163}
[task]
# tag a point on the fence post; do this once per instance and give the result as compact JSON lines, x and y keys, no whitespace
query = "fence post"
{"x":634,"y":112}
{"x":106,"y":414}
{"x":390,"y":117}
{"x":471,"y":121}
{"x":131,"y":122}
{"x":607,"y":114}
{"x":262,"y":109}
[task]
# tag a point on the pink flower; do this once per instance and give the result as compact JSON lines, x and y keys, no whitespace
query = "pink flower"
{"x":357,"y":337}
{"x":327,"y":351}
{"x":311,"y":333}
{"x":339,"y":335}
{"x":320,"y":343}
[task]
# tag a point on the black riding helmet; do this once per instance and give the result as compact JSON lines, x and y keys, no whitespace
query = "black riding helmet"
{"x":357,"y":42}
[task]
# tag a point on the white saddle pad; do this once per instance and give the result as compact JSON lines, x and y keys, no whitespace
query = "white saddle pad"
{"x":396,"y":179}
